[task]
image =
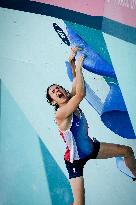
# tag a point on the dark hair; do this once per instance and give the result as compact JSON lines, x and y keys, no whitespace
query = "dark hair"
{"x":49,"y":99}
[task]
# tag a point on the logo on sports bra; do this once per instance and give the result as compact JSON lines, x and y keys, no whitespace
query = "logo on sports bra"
{"x":77,"y":124}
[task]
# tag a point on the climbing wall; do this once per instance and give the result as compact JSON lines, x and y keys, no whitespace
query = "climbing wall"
{"x":32,"y":57}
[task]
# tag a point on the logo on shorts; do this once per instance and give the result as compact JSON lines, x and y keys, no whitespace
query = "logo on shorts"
{"x":74,"y":170}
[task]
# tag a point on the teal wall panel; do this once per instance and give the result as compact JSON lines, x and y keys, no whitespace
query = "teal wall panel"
{"x":59,"y":186}
{"x":22,"y":176}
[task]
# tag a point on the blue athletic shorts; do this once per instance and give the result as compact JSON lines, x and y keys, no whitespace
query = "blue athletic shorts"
{"x":75,"y":169}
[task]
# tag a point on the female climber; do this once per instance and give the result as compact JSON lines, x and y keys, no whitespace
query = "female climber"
{"x":73,"y":128}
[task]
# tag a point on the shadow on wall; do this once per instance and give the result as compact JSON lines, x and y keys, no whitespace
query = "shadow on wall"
{"x":59,"y":187}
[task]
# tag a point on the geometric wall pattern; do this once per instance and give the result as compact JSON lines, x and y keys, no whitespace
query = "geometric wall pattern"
{"x":29,"y":174}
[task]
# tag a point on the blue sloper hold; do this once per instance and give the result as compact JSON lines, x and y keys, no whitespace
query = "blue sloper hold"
{"x":114,"y":114}
{"x":93,"y":62}
{"x":113,"y":111}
